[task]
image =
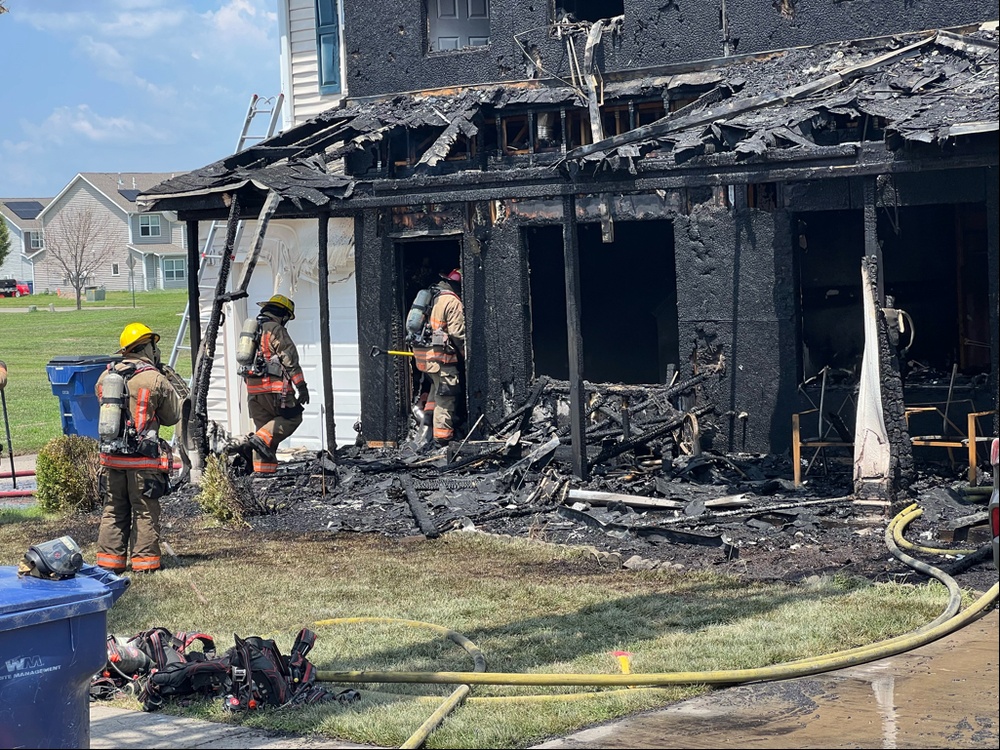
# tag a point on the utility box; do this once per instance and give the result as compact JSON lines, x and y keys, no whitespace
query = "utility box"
{"x":73,"y":380}
{"x":52,"y":642}
{"x":94,"y":293}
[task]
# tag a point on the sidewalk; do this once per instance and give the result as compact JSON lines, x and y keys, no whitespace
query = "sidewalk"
{"x":122,"y":728}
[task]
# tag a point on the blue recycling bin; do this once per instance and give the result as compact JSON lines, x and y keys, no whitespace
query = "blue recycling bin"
{"x":73,"y":380}
{"x":52,"y":642}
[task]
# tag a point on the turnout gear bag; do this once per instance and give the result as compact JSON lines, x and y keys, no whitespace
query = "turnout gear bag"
{"x":155,"y":665}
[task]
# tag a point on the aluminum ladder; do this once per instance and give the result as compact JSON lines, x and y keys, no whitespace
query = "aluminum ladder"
{"x":209,"y":255}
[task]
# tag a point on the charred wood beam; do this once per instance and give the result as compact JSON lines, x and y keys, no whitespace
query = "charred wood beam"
{"x":418,"y":508}
{"x":194,"y":293}
{"x":661,"y":431}
{"x":323,"y":273}
{"x":525,"y":410}
{"x":574,"y":336}
{"x":198,"y":429}
{"x":672,"y":124}
{"x":826,"y":162}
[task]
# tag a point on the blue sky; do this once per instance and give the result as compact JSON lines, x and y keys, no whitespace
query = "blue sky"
{"x":128,"y":86}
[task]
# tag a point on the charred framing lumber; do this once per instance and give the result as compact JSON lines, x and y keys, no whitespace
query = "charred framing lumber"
{"x":417,"y":507}
{"x":323,"y":272}
{"x":574,"y":337}
{"x":194,"y":293}
{"x":197,"y":431}
{"x":640,"y":440}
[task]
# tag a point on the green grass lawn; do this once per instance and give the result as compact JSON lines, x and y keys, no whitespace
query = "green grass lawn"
{"x":530,"y":608}
{"x":29,"y":340}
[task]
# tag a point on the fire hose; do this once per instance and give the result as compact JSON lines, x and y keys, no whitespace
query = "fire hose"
{"x":949,"y":621}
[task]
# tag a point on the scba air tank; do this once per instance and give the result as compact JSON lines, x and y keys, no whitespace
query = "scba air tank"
{"x":418,"y":312}
{"x":114,"y":401}
{"x":246,"y":347}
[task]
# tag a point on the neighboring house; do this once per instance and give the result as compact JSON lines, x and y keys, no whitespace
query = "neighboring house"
{"x":148,"y":250}
{"x":21,"y":217}
{"x":718,"y":170}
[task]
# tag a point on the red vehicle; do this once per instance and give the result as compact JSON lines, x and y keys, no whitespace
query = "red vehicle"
{"x":12,"y":288}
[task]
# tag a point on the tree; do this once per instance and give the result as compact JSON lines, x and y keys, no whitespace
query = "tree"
{"x":80,"y":241}
{"x":4,"y":241}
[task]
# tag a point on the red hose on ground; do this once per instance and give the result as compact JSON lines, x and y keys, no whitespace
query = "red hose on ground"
{"x":25,"y":473}
{"x":16,"y":493}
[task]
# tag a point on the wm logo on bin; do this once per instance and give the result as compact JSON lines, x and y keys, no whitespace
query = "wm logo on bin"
{"x":24,"y":662}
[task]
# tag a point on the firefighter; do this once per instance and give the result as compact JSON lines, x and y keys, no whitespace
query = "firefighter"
{"x":443,"y":355}
{"x":276,"y":389}
{"x":3,"y":375}
{"x":135,"y":463}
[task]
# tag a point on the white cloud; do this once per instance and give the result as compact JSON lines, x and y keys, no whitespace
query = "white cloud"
{"x":81,"y":125}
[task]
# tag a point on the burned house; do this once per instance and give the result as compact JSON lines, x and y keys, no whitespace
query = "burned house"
{"x":642,"y":193}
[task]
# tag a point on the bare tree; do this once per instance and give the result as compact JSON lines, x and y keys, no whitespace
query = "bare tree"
{"x":80,"y":241}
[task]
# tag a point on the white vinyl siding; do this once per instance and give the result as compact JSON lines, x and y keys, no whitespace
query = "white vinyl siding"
{"x":301,"y":79}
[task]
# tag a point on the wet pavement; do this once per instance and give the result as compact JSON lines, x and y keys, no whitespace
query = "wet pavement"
{"x":942,"y":695}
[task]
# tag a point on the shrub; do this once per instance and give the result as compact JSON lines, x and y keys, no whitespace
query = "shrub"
{"x":66,"y":472}
{"x":219,"y":497}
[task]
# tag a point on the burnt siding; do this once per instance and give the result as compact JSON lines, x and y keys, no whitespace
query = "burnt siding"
{"x":390,"y":57}
{"x":382,"y":378}
{"x":993,"y":239}
{"x":759,"y":25}
{"x":497,"y":305}
{"x":736,"y":313}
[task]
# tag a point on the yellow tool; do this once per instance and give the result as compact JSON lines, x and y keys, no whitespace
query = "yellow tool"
{"x":376,"y":351}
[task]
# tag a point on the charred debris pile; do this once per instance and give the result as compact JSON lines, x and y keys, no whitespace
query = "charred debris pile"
{"x":653,"y":487}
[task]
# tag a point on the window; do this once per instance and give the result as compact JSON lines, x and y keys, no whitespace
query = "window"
{"x":457,"y":24}
{"x":115,"y":270}
{"x":574,"y":11}
{"x":173,"y":269}
{"x":36,"y":240}
{"x":149,"y":226}
{"x":328,"y":45}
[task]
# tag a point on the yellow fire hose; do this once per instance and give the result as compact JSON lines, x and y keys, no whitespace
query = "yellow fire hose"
{"x":948,"y":622}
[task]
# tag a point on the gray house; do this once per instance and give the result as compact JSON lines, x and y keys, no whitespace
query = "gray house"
{"x":25,"y":230}
{"x":146,"y":250}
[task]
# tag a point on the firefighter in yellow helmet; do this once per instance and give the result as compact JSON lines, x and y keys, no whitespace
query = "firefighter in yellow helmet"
{"x":276,"y":389}
{"x":442,"y":354}
{"x":135,"y":461}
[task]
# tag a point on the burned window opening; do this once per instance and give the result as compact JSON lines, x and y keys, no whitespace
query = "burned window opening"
{"x":629,"y":302}
{"x":455,"y":25}
{"x":575,"y":11}
{"x":763,"y":196}
{"x":933,"y":266}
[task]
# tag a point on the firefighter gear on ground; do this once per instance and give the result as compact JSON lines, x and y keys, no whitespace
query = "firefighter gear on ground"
{"x":276,"y":388}
{"x":443,"y":355}
{"x":135,"y":465}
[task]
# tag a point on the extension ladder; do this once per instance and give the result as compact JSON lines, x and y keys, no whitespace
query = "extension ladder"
{"x":210,"y":255}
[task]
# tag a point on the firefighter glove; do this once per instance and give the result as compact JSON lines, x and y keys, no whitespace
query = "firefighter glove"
{"x":303,"y":394}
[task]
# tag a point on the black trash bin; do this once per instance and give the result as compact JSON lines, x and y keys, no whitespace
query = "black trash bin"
{"x":52,"y":642}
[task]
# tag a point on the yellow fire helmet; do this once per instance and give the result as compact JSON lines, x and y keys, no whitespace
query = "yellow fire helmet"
{"x":280,"y":300}
{"x":134,"y":333}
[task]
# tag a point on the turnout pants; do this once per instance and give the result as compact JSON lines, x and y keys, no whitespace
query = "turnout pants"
{"x":273,"y":424}
{"x":131,"y":519}
{"x":441,"y":400}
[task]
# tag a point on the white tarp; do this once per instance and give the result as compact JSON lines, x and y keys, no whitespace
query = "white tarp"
{"x":871,"y":446}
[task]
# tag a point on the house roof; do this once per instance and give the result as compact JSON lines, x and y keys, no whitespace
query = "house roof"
{"x":159,"y":249}
{"x":23,"y":212}
{"x":904,"y":91}
{"x":121,"y":188}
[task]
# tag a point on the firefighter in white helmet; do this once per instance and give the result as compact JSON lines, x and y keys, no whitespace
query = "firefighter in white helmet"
{"x":136,"y":400}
